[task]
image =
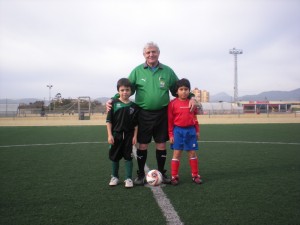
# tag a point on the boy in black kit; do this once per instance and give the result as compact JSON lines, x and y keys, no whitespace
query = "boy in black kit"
{"x":122,"y":132}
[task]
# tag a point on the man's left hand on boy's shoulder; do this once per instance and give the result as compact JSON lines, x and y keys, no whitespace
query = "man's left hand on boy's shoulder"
{"x":193,"y":104}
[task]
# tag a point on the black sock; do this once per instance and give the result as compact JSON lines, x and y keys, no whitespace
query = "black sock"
{"x":161,"y":156}
{"x":141,"y":159}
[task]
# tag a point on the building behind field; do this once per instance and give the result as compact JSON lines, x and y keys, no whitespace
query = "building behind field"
{"x":270,"y":106}
{"x":219,"y":108}
{"x":201,"y":95}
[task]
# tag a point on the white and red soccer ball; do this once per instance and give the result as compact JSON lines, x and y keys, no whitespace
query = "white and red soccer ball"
{"x":154,"y":178}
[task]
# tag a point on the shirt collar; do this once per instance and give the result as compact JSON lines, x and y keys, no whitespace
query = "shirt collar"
{"x":159,"y":65}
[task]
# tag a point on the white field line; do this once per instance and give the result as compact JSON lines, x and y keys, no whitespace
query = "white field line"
{"x":253,"y":142}
{"x":162,"y":200}
{"x":52,"y":144}
{"x":104,"y":142}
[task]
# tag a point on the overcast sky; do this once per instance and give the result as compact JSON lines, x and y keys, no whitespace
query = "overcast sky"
{"x":82,"y":47}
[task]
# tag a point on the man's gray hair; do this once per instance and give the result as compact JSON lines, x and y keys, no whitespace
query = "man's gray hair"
{"x":151,"y":45}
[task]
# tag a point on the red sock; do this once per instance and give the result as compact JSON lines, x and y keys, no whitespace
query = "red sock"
{"x":194,"y":166}
{"x":175,"y":167}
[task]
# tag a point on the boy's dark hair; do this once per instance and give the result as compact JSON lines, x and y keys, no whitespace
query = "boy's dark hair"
{"x":124,"y":82}
{"x":183,"y":83}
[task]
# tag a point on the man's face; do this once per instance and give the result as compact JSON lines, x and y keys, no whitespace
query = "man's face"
{"x":151,"y":55}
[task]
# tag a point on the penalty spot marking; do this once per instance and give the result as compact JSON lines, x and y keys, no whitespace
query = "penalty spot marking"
{"x":163,"y":201}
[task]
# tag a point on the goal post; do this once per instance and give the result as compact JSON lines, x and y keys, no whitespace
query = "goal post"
{"x":84,"y":107}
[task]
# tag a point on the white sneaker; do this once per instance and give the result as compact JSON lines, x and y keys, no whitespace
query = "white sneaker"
{"x":113,"y":181}
{"x":128,"y":183}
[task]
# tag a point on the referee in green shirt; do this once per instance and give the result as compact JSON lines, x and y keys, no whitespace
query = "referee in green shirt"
{"x":151,"y":83}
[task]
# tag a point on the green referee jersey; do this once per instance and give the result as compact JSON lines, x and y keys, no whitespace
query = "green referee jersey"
{"x":122,"y":116}
{"x":152,"y":87}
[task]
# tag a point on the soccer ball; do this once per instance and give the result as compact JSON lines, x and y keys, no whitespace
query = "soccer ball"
{"x":154,"y":178}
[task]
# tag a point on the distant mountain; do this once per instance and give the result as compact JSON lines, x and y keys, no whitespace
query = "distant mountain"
{"x":32,"y":100}
{"x":221,"y":97}
{"x":18,"y":101}
{"x":293,"y":95}
{"x":103,"y":100}
{"x":274,"y":96}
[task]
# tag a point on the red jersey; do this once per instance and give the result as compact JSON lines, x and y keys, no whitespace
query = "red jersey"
{"x":179,"y":115}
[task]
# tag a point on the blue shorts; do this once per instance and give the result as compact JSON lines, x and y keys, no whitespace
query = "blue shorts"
{"x":185,"y":138}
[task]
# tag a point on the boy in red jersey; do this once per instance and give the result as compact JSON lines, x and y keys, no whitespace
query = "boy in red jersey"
{"x":184,"y":131}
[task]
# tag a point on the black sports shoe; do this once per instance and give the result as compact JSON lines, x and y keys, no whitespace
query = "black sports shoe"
{"x":165,"y":179}
{"x":140,"y":179}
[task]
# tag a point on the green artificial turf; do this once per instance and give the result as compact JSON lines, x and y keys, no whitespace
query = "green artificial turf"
{"x":60,"y":175}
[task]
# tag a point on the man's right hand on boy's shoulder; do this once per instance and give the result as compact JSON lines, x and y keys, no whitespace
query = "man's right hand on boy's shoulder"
{"x":108,"y":105}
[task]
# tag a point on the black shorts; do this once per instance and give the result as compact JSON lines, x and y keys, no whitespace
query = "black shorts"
{"x":122,"y":147}
{"x":153,"y":124}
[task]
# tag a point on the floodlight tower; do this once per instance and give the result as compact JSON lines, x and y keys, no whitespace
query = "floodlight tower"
{"x":235,"y":52}
{"x":49,"y":86}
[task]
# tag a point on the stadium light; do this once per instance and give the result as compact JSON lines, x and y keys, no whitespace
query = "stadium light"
{"x":49,"y":86}
{"x":235,"y":52}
